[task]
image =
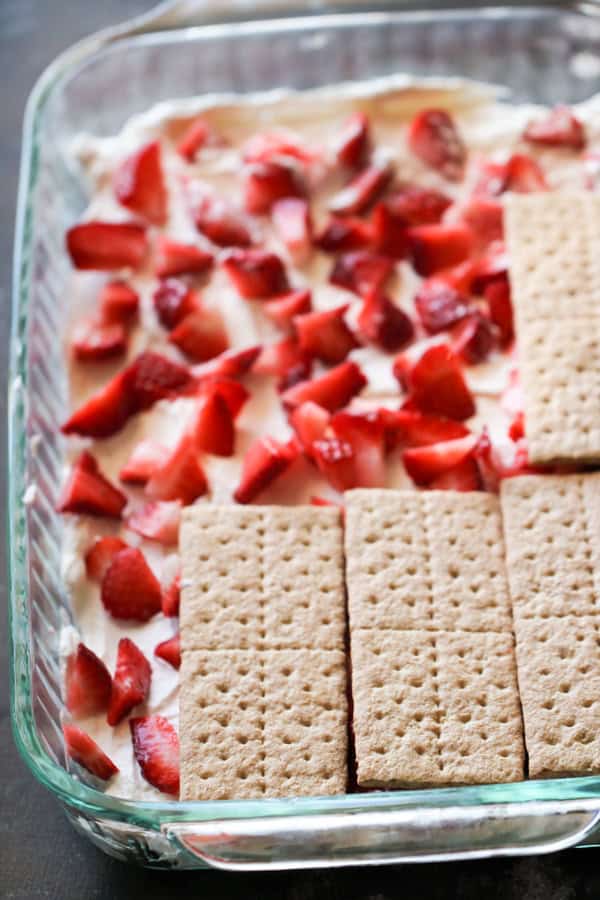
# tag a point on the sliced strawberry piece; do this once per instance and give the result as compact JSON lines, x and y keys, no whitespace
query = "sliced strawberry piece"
{"x":283,"y":309}
{"x":201,"y":335}
{"x":435,"y":247}
{"x":413,"y":205}
{"x":157,"y":521}
{"x":434,"y":139}
{"x":437,"y":385}
{"x":213,"y":428}
{"x":131,"y":684}
{"x":270,"y":145}
{"x":222,"y":224}
{"x":491,"y":179}
{"x":139,"y":184}
{"x":232,"y":363}
{"x":310,"y":422}
{"x":341,"y":234}
{"x":486,"y":463}
{"x":198,"y":135}
{"x":99,"y":556}
{"x":474,"y":338}
{"x":130,"y":589}
{"x":175,"y":258}
{"x":423,"y":464}
{"x":362,"y":272}
{"x":489,"y":267}
{"x":383,"y":323}
{"x":497,"y":295}
{"x":389,"y":232}
{"x":87,"y":683}
{"x":460,"y":277}
{"x":484,"y":217}
{"x":463,"y":477}
{"x":106,"y":245}
{"x":146,"y":458}
{"x":256,"y":274}
{"x":413,"y":429}
{"x":560,"y":128}
{"x":362,"y":191}
{"x":291,"y":218}
{"x":285,"y":359}
{"x":233,"y":393}
{"x":95,"y":341}
{"x":524,"y":175}
{"x":85,"y":751}
{"x":171,"y":597}
{"x":88,"y":492}
{"x":118,"y":303}
{"x":181,"y":476}
{"x":265,"y":460}
{"x":173,"y":300}
{"x":516,"y":430}
{"x":353,"y":145}
{"x":440,"y":306}
{"x":156,"y":748}
{"x":105,"y":412}
{"x":325,"y":334}
{"x":332,"y":390}
{"x":170,"y":651}
{"x":267,"y":182}
{"x":365,"y":432}
{"x":316,"y":500}
{"x":152,"y":377}
{"x":335,"y":459}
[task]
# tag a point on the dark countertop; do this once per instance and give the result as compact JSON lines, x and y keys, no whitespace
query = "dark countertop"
{"x":40,"y":855}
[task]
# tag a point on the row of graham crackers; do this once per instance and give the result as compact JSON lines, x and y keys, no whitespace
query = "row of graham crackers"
{"x":437,"y":688}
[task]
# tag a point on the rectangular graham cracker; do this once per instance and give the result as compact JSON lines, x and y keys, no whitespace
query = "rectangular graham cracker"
{"x":262,"y":577}
{"x":257,"y":723}
{"x":425,"y":560}
{"x":435,"y":708}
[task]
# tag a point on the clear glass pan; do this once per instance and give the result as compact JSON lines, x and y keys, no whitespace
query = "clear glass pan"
{"x":543,"y":53}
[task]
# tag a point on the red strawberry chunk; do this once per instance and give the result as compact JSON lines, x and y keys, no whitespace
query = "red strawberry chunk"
{"x":267,"y":182}
{"x":87,"y":683}
{"x":332,"y":390}
{"x":265,"y":460}
{"x":365,"y":432}
{"x":316,"y":500}
{"x":105,"y":412}
{"x":285,"y":359}
{"x":435,"y":247}
{"x":489,"y":267}
{"x":85,"y":751}
{"x":474,"y":338}
{"x":291,"y":218}
{"x":283,"y":309}
{"x":440,"y":306}
{"x":118,"y":303}
{"x":413,"y":205}
{"x":157,"y":521}
{"x":139,"y":184}
{"x":310,"y":422}
{"x":413,"y":429}
{"x":383,"y":323}
{"x":198,"y":135}
{"x":437,"y":386}
{"x":232,"y":363}
{"x":516,"y":429}
{"x":362,"y":191}
{"x":353,"y":146}
{"x":222,"y":224}
{"x":99,"y":556}
{"x":130,"y":589}
{"x":88,"y":492}
{"x":256,"y":274}
{"x":201,"y":335}
{"x":389,"y":232}
{"x":95,"y":341}
{"x":233,"y":393}
{"x":325,"y":334}
{"x":341,"y":234}
{"x":269,"y":145}
{"x":423,"y":464}
{"x":362,"y":272}
{"x":131,"y":684}
{"x":463,"y":477}
{"x":152,"y":377}
{"x":434,"y":139}
{"x":524,"y":175}
{"x":491,"y":179}
{"x":560,"y":128}
{"x":170,"y":651}
{"x":181,"y":476}
{"x":106,"y":245}
{"x":156,"y":749}
{"x":176,"y":258}
{"x":171,"y":598}
{"x":173,"y":300}
{"x":335,"y":459}
{"x":145,"y":459}
{"x":497,"y":295}
{"x":484,"y":217}
{"x":213,"y":427}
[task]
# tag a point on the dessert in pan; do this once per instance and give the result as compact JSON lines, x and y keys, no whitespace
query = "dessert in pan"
{"x":334,"y":361}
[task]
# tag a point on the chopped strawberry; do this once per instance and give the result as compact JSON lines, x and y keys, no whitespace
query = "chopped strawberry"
{"x":269,"y":145}
{"x":413,"y":205}
{"x":474,"y":338}
{"x":181,"y":476}
{"x":423,"y":464}
{"x":286,"y":360}
{"x":156,"y":748}
{"x":145,"y":459}
{"x":516,"y":429}
{"x":130,"y":589}
{"x":365,"y":433}
{"x":291,"y":218}
{"x":413,"y":429}
{"x":175,"y":258}
{"x":173,"y":300}
{"x":107,"y":245}
{"x":336,"y":461}
{"x":139,"y":184}
{"x":152,"y":377}
{"x":99,"y":556}
{"x":213,"y":428}
{"x":310,"y":422}
{"x":171,"y":597}
{"x":198,"y":135}
{"x":316,"y":500}
{"x":222,"y":224}
{"x":105,"y":412}
{"x":131,"y":684}
{"x":201,"y":335}
{"x":88,"y":492}
{"x":435,"y":247}
{"x":118,"y":303}
{"x":389,"y":232}
{"x":267,"y":182}
{"x":560,"y":128}
{"x":383,"y":323}
{"x":332,"y":390}
{"x":87,"y":683}
{"x":497,"y":295}
{"x":170,"y":651}
{"x":233,"y":393}
{"x":439,"y":306}
{"x":343,"y":233}
{"x":489,"y":267}
{"x":325,"y":334}
{"x":95,"y":341}
{"x":434,"y":138}
{"x":524,"y":175}
{"x":265,"y":460}
{"x":353,"y":145}
{"x":362,"y":272}
{"x":283,"y":309}
{"x":484,"y":217}
{"x":486,"y":463}
{"x":232,"y":363}
{"x":256,"y":274}
{"x":362,"y":191}
{"x":437,"y":385}
{"x":85,"y":751}
{"x":460,"y":277}
{"x":157,"y":521}
{"x":463,"y":477}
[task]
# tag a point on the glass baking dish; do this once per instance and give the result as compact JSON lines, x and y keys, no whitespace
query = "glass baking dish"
{"x":546,"y":53}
